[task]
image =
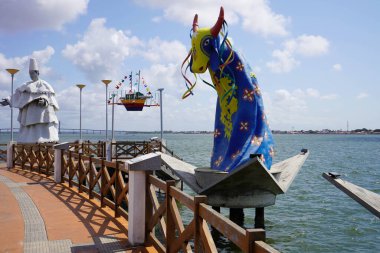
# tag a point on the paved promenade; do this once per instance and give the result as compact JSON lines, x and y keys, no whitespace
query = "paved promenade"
{"x":38,"y":215}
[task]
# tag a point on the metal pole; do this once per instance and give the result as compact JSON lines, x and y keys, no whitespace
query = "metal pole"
{"x":106,"y":112}
{"x":106,"y":82}
{"x":80,"y":115}
{"x":12,"y":111}
{"x":12,"y":72}
{"x":161,"y":89}
{"x":113,"y":116}
{"x":80,"y":86}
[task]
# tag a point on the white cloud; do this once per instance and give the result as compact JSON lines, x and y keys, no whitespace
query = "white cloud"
{"x":255,"y":16}
{"x":362,"y":95}
{"x":39,"y":14}
{"x":337,"y":67}
{"x":157,"y":50}
{"x":286,"y":108}
{"x":329,"y":97}
{"x":101,"y":51}
{"x":312,"y":92}
{"x":308,"y":45}
{"x":22,"y":63}
{"x":304,"y":45}
{"x":283,"y":62}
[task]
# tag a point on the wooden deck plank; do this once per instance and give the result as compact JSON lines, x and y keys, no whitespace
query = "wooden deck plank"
{"x":366,"y":198}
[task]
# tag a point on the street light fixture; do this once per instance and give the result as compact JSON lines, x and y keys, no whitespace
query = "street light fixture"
{"x":106,"y":82}
{"x":80,"y":86}
{"x":12,"y":72}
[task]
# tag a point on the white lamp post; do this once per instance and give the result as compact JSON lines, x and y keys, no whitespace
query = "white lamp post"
{"x":106,"y":82}
{"x":12,"y":72}
{"x":80,"y":86}
{"x":160,"y":90}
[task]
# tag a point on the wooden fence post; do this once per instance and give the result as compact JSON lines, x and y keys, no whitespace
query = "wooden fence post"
{"x":137,"y":168}
{"x":198,"y":223}
{"x":252,"y":235}
{"x":70,"y":170}
{"x":80,"y":172}
{"x":91,"y":180}
{"x":148,"y":204}
{"x":170,"y":225}
{"x":39,"y":158}
{"x":10,"y":154}
{"x":58,"y":160}
{"x":117,"y":188}
{"x":103,"y":182}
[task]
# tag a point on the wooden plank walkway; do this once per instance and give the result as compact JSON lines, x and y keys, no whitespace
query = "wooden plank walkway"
{"x":366,"y":198}
{"x":38,"y":215}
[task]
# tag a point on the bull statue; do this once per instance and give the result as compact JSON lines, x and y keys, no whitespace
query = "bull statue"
{"x":241,"y":126}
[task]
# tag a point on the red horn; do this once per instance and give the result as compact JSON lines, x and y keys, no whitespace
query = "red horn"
{"x":218,"y":25}
{"x":195,"y":23}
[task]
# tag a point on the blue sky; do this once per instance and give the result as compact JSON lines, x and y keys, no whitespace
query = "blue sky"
{"x":316,"y":61}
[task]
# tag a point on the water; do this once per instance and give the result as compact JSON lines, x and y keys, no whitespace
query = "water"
{"x":313,"y":216}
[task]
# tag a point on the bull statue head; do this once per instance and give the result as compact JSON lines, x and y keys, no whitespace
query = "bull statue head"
{"x":205,"y":43}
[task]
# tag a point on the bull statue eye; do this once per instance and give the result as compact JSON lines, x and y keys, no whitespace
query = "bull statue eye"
{"x":206,"y":45}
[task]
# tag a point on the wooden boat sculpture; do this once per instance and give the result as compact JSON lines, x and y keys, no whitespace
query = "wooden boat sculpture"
{"x":250,"y":185}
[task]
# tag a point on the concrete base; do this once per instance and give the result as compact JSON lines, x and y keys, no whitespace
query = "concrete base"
{"x":57,"y":165}
{"x":136,"y":208}
{"x":10,"y":154}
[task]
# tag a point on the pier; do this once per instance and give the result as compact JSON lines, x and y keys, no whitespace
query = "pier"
{"x":69,"y":198}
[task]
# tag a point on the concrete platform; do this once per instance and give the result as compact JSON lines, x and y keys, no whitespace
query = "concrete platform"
{"x":38,"y":215}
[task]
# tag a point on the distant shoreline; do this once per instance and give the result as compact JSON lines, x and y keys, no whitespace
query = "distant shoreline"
{"x":363,"y":131}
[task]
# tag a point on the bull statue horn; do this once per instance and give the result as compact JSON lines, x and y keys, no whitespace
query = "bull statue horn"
{"x":218,"y":25}
{"x":195,"y":23}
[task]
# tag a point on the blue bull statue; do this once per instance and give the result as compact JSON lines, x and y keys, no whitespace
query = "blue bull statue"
{"x":241,"y":126}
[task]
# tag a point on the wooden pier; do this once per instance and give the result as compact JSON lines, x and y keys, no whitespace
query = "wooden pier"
{"x":95,"y":191}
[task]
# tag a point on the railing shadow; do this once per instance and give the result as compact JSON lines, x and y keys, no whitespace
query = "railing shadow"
{"x":97,"y":221}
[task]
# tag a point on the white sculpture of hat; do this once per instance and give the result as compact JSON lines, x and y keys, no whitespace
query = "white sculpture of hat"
{"x":33,"y":64}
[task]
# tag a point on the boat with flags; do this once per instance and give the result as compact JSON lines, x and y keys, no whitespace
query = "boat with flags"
{"x":133,"y":98}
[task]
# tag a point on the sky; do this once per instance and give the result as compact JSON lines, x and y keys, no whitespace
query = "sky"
{"x":317,"y":62}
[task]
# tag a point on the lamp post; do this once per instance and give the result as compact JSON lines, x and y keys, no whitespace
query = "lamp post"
{"x":12,"y":72}
{"x":160,"y":90}
{"x":80,"y":86}
{"x":113,"y":115}
{"x":106,"y":82}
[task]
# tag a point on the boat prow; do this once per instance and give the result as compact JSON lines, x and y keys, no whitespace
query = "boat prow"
{"x":250,"y":185}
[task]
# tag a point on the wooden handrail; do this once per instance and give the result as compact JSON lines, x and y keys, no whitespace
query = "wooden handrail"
{"x":177,"y":236}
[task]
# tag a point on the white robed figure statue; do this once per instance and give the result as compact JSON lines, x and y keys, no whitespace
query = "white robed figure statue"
{"x":37,"y":106}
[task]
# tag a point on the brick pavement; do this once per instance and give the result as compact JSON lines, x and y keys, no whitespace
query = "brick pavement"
{"x":56,"y":218}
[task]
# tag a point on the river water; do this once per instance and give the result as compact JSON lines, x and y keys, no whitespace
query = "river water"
{"x":313,"y":216}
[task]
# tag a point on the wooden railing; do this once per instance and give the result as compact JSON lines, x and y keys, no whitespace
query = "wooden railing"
{"x":175,"y":236}
{"x":88,"y":148}
{"x":3,"y":152}
{"x":132,"y":149}
{"x":35,"y":157}
{"x":107,"y":181}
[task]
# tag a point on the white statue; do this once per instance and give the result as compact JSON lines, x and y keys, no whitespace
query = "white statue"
{"x":37,"y":106}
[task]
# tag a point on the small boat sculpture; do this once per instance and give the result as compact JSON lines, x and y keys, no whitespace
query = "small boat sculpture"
{"x":134,"y":101}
